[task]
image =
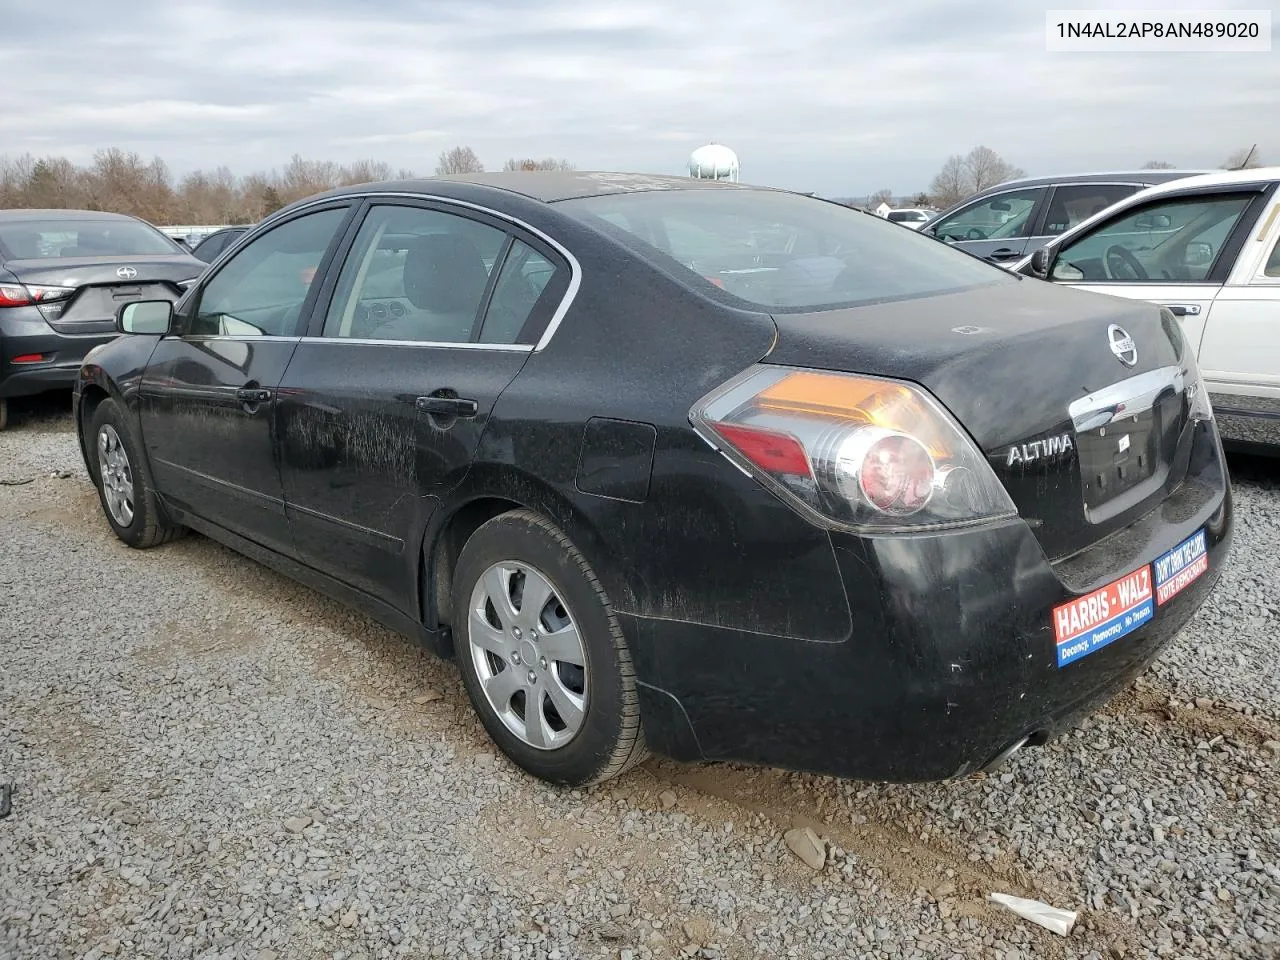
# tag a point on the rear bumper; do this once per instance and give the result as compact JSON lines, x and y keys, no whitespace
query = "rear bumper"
{"x":952,"y":657}
{"x":23,"y":332}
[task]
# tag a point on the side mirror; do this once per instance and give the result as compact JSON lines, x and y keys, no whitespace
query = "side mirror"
{"x":1197,"y":254}
{"x":1040,"y":263}
{"x":154,"y":317}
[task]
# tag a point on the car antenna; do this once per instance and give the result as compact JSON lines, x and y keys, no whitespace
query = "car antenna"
{"x":1247,"y":157}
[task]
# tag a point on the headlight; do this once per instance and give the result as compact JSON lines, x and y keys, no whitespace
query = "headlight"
{"x":863,"y":453}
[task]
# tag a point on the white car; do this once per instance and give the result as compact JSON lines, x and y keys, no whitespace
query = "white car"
{"x":1207,"y":248}
{"x":909,"y":217}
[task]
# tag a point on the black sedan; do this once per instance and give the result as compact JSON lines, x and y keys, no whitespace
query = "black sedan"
{"x":63,"y":275}
{"x":721,"y":472}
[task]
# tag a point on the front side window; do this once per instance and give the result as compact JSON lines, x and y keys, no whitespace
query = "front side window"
{"x":780,"y":251}
{"x":1005,"y":216}
{"x":1077,"y":203}
{"x":260,"y":291}
{"x":64,"y":239}
{"x":1178,"y":240}
{"x":415,"y":274}
{"x":906,"y":216}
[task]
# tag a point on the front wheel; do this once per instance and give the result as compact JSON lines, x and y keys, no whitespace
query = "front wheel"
{"x":124,"y":484}
{"x":541,"y":654}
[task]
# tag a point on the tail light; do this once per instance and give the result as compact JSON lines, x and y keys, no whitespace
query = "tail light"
{"x":864,"y":453}
{"x":25,"y":295}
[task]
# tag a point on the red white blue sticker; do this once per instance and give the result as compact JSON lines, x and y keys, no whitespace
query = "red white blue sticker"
{"x":1181,"y":566}
{"x":1089,"y":623}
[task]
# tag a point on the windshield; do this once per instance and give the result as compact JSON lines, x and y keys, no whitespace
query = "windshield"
{"x":56,"y":239}
{"x":782,"y":251}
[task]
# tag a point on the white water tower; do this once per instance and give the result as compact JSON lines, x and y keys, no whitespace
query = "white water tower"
{"x":714,"y":162}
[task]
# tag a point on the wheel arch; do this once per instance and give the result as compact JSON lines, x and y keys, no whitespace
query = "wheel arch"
{"x":489,"y":491}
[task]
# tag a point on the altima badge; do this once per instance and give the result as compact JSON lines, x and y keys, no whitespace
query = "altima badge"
{"x":1122,"y":345}
{"x":126,"y":273}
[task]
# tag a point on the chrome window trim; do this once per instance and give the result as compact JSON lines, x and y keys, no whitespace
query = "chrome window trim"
{"x":459,"y":344}
{"x":362,"y":341}
{"x":575,"y":268}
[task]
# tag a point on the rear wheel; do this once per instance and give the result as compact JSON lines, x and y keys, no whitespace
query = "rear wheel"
{"x":541,"y":654}
{"x":124,"y":484}
{"x":4,"y":413}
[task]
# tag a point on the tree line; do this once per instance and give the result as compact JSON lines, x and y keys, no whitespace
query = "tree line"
{"x":123,"y":182}
{"x":962,"y":176}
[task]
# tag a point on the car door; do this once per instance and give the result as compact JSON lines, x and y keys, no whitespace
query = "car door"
{"x":207,"y":395}
{"x":1175,"y":250}
{"x":1240,"y":350}
{"x":383,"y":405}
{"x":996,"y":227}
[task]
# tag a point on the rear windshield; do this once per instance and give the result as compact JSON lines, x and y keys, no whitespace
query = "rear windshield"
{"x":783,"y":251}
{"x":54,"y":239}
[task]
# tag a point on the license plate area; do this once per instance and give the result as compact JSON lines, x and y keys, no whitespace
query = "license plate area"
{"x":1119,"y":456}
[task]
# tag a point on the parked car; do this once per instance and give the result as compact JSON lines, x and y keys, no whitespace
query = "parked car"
{"x":63,"y":273}
{"x":1007,"y":221}
{"x":909,"y":217}
{"x":212,"y":245}
{"x":658,"y":480}
{"x":1207,"y":249}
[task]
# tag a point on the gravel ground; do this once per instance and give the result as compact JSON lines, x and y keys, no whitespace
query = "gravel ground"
{"x":213,"y":761}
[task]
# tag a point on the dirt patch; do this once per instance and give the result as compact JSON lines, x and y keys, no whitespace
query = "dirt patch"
{"x":1151,"y":703}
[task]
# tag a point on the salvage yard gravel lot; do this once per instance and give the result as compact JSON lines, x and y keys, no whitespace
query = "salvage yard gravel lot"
{"x":212,"y":761}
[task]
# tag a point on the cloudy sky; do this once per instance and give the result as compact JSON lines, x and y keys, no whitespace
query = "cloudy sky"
{"x":812,"y":94}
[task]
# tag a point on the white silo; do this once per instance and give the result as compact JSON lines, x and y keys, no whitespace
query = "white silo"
{"x":714,"y":162}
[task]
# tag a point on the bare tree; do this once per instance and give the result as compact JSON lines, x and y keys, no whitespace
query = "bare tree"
{"x":961,"y":177}
{"x":1243,"y":159}
{"x":364,"y":171}
{"x":121,"y":181}
{"x":1158,"y":165}
{"x":883,"y":195}
{"x":921,"y":200}
{"x":458,"y":160}
{"x":951,"y":184}
{"x":547,"y":163}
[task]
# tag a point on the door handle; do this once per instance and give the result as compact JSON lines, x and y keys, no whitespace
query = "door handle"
{"x":1004,"y":253}
{"x":253,"y":395}
{"x":1183,"y":309}
{"x":448,"y":406}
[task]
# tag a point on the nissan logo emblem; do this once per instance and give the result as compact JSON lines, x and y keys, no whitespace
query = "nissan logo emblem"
{"x":1122,"y":345}
{"x":126,"y":273}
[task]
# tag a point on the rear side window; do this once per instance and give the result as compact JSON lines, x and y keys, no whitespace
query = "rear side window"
{"x":782,"y":251}
{"x":62,"y":239}
{"x":1078,"y":202}
{"x":415,"y":274}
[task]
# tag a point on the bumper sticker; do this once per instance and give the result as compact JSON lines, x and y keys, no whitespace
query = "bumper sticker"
{"x":1091,"y":622}
{"x":1181,"y":567}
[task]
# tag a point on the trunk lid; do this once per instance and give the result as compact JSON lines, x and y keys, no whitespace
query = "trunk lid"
{"x":1083,"y":442}
{"x":98,"y":287}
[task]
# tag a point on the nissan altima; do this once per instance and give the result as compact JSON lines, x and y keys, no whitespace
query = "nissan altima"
{"x":688,"y":467}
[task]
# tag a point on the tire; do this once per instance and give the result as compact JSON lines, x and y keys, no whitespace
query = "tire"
{"x":126,"y":491}
{"x":4,"y":413}
{"x":521,"y":551}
